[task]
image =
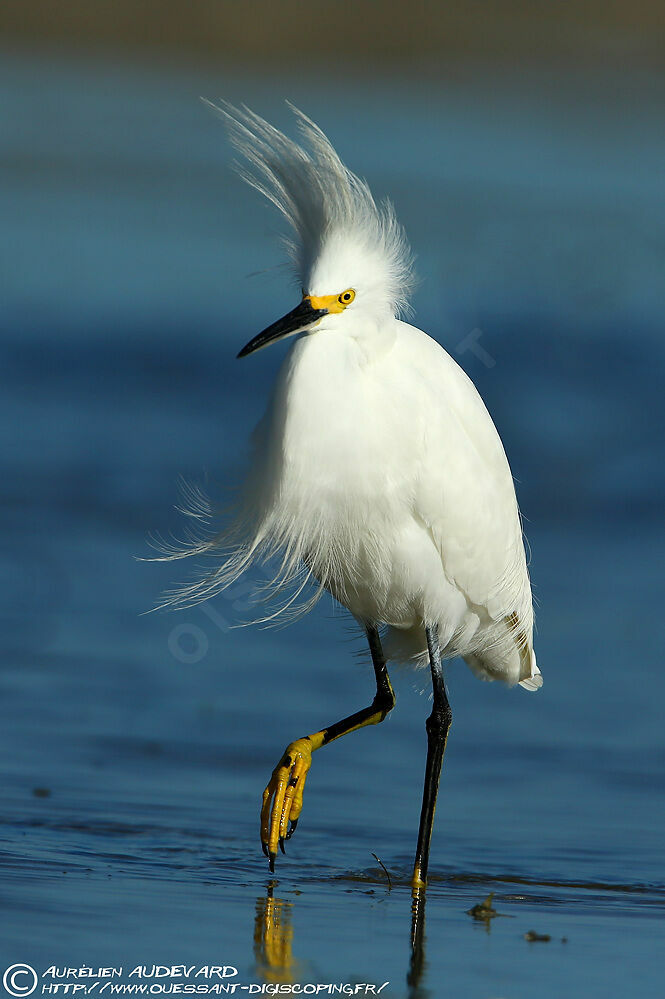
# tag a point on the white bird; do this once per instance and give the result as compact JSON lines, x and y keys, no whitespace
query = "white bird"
{"x":376,"y":471}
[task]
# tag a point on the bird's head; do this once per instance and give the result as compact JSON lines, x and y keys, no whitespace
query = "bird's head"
{"x":306,"y":315}
{"x":350,"y":255}
{"x":345,"y":292}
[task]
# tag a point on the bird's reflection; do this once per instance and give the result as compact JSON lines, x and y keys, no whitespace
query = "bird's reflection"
{"x":273,"y":938}
{"x":273,"y":942}
{"x":417,"y":964}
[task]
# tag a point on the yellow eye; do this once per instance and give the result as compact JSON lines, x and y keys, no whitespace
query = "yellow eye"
{"x":346,"y":297}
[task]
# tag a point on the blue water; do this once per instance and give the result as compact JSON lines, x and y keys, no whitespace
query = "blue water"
{"x":135,"y":748}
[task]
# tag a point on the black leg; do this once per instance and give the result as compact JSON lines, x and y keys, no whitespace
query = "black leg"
{"x":384,"y":699}
{"x":282,"y":798}
{"x":437,"y":726}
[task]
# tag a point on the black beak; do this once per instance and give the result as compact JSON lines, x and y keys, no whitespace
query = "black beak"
{"x":298,"y":319}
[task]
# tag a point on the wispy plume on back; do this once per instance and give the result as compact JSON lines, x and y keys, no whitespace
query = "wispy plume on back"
{"x":326,"y":205}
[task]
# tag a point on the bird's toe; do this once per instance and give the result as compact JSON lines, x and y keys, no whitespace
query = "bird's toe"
{"x":283,"y":796}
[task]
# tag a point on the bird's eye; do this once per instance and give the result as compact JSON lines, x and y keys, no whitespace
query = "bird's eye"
{"x":346,"y":297}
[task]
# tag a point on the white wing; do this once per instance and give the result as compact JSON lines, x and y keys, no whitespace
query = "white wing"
{"x":466,"y":497}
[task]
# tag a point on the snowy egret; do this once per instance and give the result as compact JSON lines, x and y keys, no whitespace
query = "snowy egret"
{"x":376,"y":471}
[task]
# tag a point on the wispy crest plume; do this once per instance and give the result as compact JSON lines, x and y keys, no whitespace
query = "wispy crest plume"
{"x":318,"y":196}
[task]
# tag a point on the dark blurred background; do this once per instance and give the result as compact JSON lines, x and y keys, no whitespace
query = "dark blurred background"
{"x":369,"y":35}
{"x":523,"y":146}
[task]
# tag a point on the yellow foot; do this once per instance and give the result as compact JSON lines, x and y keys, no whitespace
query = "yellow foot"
{"x":282,"y":799}
{"x":418,"y":883}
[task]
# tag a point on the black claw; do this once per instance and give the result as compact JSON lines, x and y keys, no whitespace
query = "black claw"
{"x":272,"y":857}
{"x":281,"y":844}
{"x":292,"y":829}
{"x":264,"y":847}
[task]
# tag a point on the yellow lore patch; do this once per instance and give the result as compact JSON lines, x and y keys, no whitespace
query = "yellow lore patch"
{"x":331,"y":303}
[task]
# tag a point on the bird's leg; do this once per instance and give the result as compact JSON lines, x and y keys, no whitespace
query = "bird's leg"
{"x":282,"y":798}
{"x":437,"y":726}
